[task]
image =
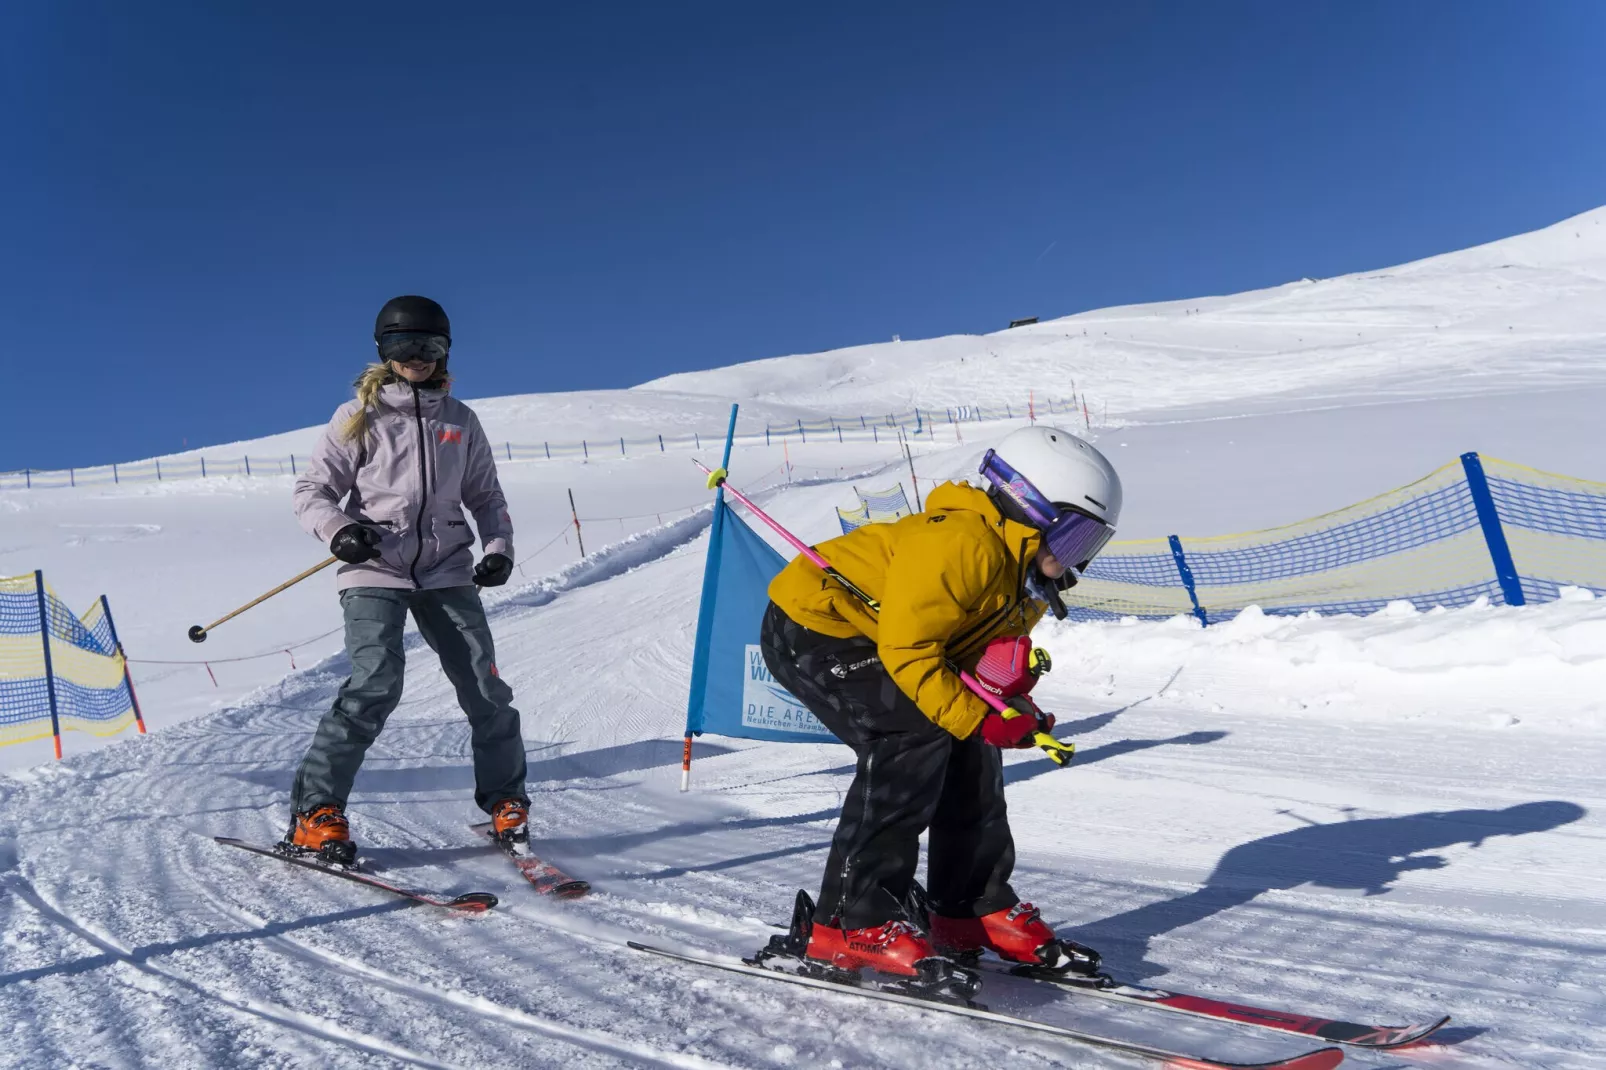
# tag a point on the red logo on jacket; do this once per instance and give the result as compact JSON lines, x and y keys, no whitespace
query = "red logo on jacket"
{"x":451,"y":434}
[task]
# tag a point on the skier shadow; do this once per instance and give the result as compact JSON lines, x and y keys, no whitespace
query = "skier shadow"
{"x":641,"y":755}
{"x":1022,"y":771}
{"x":1366,"y":855}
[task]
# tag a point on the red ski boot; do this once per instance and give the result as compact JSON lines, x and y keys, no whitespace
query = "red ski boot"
{"x":323,"y":831}
{"x":893,"y":947}
{"x":896,"y":950}
{"x":1015,"y":934}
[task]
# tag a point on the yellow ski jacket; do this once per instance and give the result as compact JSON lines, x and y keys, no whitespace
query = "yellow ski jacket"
{"x":949,"y":580}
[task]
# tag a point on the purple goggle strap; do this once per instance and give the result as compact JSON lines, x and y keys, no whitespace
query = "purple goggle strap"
{"x":1072,"y":537}
{"x":1039,"y":510}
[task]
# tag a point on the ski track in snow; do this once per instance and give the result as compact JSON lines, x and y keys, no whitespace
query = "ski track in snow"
{"x":1381,"y":819}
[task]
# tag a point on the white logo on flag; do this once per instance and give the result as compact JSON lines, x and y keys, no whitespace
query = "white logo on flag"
{"x":768,"y":705}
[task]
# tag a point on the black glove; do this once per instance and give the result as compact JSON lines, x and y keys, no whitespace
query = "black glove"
{"x":1024,"y":704}
{"x":493,"y":570}
{"x":355,"y":544}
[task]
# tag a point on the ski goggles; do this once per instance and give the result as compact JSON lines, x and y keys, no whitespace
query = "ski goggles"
{"x":404,"y":346}
{"x":1072,"y":536}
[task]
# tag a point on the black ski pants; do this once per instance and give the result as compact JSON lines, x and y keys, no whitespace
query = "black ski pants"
{"x":911,"y":776}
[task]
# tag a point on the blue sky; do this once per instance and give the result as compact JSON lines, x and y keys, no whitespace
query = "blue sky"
{"x":206,"y":204}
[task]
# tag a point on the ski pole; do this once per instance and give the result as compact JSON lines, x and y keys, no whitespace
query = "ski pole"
{"x":198,"y":634}
{"x":1060,"y":753}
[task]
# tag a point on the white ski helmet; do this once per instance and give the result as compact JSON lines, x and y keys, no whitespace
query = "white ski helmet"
{"x":1058,"y":483}
{"x":1066,"y":470}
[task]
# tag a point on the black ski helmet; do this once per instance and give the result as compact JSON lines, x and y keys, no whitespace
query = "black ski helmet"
{"x":411,"y":313}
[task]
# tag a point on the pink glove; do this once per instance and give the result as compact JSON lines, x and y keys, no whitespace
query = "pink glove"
{"x":1016,"y":731}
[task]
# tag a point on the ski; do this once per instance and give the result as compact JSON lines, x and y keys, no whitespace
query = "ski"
{"x":1355,"y":1034}
{"x":1320,"y":1059}
{"x":468,"y":903}
{"x":543,"y":876}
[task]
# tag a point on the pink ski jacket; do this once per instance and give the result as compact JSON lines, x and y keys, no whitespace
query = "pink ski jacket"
{"x":422,"y":461}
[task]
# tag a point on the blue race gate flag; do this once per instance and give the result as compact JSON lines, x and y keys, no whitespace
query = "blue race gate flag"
{"x":732,"y":691}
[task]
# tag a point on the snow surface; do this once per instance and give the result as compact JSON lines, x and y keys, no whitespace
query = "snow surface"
{"x":1383,"y":818}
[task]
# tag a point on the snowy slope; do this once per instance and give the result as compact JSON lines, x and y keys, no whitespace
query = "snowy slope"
{"x":1384,"y":818}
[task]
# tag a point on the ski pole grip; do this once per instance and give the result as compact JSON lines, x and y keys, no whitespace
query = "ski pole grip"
{"x":1058,"y":753}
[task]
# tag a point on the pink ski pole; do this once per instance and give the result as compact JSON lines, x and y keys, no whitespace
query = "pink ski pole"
{"x":1059,"y":752}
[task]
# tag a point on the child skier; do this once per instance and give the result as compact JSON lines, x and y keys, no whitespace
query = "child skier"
{"x":407,"y":458}
{"x":975,"y":567}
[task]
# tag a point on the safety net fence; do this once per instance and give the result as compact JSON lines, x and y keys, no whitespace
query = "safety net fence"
{"x":1475,"y":528}
{"x":875,"y":507}
{"x":59,"y":671}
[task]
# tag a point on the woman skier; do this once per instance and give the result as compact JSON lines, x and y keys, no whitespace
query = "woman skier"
{"x":407,"y":458}
{"x":976,"y":567}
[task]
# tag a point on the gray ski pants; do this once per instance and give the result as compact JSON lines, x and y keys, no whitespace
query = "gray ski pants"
{"x":452,"y":621}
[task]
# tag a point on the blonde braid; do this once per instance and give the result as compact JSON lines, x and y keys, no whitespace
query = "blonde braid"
{"x":368,"y":383}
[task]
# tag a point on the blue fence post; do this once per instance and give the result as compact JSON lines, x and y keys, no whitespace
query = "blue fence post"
{"x":50,"y":669}
{"x":1505,"y":569}
{"x":1187,"y":580}
{"x":128,"y":681}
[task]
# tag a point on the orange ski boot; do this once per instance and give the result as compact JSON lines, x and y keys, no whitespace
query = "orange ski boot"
{"x":510,"y":821}
{"x":1015,"y":934}
{"x":323,"y":831}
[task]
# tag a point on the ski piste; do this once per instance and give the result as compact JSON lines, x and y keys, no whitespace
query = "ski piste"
{"x":1320,"y":1059}
{"x":467,"y":903}
{"x":1338,"y":1031}
{"x":542,"y":875}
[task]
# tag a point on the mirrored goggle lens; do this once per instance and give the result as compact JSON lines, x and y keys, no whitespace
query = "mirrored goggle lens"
{"x":1075,"y":538}
{"x":404,"y":346}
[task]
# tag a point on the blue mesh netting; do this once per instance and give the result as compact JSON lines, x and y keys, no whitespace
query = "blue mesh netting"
{"x":90,"y":703}
{"x":1550,"y":509}
{"x":102,"y":632}
{"x":19,"y":613}
{"x":1436,"y":515}
{"x":1147,"y":570}
{"x":1351,"y":561}
{"x":24,"y":700}
{"x":65,"y":627}
{"x":886,"y":503}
